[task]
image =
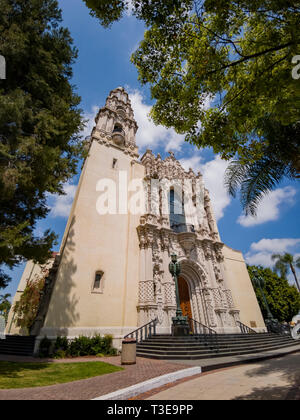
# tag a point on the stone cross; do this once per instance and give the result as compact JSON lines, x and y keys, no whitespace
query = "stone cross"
{"x":2,"y":327}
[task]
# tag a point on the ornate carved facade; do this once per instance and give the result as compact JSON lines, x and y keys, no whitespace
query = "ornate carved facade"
{"x":198,"y":247}
{"x":196,"y":241}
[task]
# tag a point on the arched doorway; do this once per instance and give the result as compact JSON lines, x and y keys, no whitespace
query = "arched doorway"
{"x":185,"y":300}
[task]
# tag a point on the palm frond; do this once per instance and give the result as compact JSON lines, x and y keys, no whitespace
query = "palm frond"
{"x":234,"y":176}
{"x":262,"y":177}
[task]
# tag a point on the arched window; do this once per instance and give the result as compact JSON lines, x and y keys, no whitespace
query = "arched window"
{"x":176,"y":207}
{"x":118,"y":128}
{"x":98,"y":284}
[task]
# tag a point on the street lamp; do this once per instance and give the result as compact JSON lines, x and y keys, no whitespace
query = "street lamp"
{"x":180,"y":323}
{"x":259,"y":281}
{"x":273,"y":325}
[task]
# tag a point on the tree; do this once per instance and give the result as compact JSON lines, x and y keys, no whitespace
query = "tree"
{"x":39,"y":124}
{"x":237,"y":54}
{"x":26,"y":308}
{"x":258,"y":177}
{"x":285,"y":263}
{"x":5,"y":305}
{"x":282,"y":298}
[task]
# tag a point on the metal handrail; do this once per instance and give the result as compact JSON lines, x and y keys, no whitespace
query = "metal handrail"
{"x":144,"y":332}
{"x":245,"y":329}
{"x":199,"y":328}
{"x":275,"y":327}
{"x":208,"y":335}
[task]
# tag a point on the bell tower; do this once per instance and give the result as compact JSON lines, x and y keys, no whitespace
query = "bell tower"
{"x":115,"y":123}
{"x":96,"y":285}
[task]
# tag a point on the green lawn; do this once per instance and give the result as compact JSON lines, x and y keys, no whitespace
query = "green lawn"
{"x":26,"y":375}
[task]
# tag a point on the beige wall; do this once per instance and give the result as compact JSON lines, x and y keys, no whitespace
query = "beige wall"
{"x":240,"y":284}
{"x":110,"y":243}
{"x":94,"y":242}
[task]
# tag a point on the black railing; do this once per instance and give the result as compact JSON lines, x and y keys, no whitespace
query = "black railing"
{"x":182,"y":228}
{"x":245,"y":329}
{"x":199,"y":328}
{"x":207,"y":334}
{"x":275,"y":327}
{"x":144,"y":332}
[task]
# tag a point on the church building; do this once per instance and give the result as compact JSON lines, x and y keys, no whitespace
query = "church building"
{"x":128,"y":217}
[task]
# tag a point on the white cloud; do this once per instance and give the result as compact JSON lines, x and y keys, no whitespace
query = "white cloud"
{"x":260,"y":258}
{"x":61,"y":205}
{"x":89,"y":116}
{"x":213,"y":176}
{"x":150,"y":135}
{"x":193,"y":162}
{"x":269,"y":208}
{"x":274,"y":245}
{"x":261,"y":252}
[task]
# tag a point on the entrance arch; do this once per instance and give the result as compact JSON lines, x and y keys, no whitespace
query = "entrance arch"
{"x":201,"y":303}
{"x":185,"y":299}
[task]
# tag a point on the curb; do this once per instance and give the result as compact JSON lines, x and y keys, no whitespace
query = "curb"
{"x":134,"y":390}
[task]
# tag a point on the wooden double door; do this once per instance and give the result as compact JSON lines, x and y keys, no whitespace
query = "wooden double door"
{"x":185,"y":300}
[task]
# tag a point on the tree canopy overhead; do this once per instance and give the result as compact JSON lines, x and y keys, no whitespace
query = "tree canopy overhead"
{"x":238,"y":54}
{"x":39,"y":124}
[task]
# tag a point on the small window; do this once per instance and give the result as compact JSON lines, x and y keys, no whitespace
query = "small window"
{"x":98,"y":286}
{"x":114,"y":164}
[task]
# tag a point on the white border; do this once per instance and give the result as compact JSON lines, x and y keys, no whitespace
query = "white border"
{"x":134,"y":390}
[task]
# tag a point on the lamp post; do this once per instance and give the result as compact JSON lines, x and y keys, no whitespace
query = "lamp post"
{"x":180,"y":325}
{"x":259,"y":281}
{"x":272,"y":324}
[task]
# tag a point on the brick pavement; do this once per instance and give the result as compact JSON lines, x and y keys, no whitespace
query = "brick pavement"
{"x":87,"y":389}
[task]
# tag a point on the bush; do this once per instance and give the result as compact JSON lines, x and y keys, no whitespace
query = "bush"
{"x":61,"y":344}
{"x":44,"y":349}
{"x":84,"y":346}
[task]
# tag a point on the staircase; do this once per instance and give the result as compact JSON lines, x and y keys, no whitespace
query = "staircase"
{"x":204,"y":346}
{"x":17,"y":345}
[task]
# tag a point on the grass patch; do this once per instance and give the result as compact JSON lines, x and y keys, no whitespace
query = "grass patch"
{"x":26,"y":375}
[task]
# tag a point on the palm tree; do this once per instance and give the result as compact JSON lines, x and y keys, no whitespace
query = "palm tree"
{"x":256,"y":177}
{"x":286,"y":262}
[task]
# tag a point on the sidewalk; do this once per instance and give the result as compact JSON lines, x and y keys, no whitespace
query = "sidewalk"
{"x":273,"y":379}
{"x":88,"y":389}
{"x":143,"y":371}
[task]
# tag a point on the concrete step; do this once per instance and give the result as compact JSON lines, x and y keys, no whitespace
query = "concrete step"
{"x":212,"y":345}
{"x":204,"y":347}
{"x":17,"y":345}
{"x":211,"y":354}
{"x":207,"y":346}
{"x":209,"y":340}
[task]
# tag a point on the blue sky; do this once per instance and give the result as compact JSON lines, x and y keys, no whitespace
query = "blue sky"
{"x":102,"y":65}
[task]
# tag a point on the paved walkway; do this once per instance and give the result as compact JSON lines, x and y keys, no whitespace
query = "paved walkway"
{"x":274,"y":379}
{"x":87,"y":389}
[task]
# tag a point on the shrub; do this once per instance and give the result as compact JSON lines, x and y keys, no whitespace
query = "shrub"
{"x":84,"y":346}
{"x":61,"y":344}
{"x":44,"y":349}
